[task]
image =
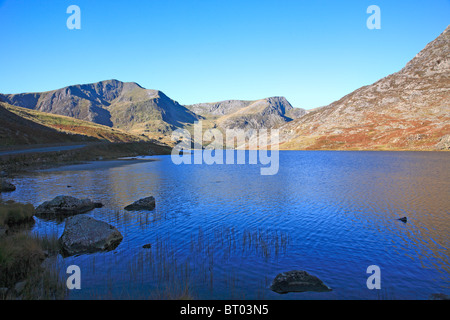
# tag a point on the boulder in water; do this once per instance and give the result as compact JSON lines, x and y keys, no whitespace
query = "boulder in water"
{"x":62,"y":206}
{"x":297,"y":281}
{"x":143,"y":204}
{"x":83,"y":234}
{"x":6,"y":186}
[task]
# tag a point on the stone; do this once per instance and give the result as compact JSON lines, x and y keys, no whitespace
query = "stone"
{"x":19,"y":287}
{"x":6,"y":186}
{"x":83,"y":234}
{"x":297,"y":281}
{"x":65,"y":206}
{"x":142,"y":204}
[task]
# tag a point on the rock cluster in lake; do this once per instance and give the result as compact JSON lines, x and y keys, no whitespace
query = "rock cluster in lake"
{"x":83,"y":234}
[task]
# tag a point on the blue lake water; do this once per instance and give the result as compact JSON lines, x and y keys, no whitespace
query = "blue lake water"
{"x":225,"y":231}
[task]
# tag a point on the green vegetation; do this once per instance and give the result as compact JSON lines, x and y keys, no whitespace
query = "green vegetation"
{"x":22,"y":255}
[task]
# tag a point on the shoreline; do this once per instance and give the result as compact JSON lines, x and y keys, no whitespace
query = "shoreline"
{"x":17,"y":164}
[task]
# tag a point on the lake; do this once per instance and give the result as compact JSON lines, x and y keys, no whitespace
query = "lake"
{"x":225,"y":231}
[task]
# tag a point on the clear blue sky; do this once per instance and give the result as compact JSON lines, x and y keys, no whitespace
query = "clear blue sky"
{"x":311,"y":52}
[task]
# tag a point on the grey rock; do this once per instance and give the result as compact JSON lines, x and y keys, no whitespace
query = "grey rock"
{"x":439,"y":296}
{"x":6,"y":186}
{"x":65,"y":206}
{"x":83,"y":234}
{"x":297,"y":281}
{"x":19,"y":287}
{"x":3,"y":230}
{"x":142,"y":204}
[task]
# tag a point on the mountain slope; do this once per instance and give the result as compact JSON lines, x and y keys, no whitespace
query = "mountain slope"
{"x":21,"y":126}
{"x":408,"y":110}
{"x":15,"y":130}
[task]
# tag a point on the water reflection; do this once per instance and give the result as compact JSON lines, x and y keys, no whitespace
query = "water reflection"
{"x":226,"y":231}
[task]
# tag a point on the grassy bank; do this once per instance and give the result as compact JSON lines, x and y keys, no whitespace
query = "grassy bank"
{"x":22,"y":275}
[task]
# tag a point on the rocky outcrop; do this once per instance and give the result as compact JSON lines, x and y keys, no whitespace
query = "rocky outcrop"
{"x":444,"y":143}
{"x":142,"y":204}
{"x":83,"y":234}
{"x":63,"y":206}
{"x":297,"y":281}
{"x":6,"y":186}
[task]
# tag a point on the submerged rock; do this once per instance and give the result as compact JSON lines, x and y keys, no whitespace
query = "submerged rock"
{"x":65,"y":206}
{"x":143,"y":204}
{"x":439,"y":296}
{"x":5,"y":186}
{"x":83,"y":234}
{"x":297,"y":281}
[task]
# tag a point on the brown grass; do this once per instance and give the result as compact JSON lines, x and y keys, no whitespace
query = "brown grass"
{"x":13,"y":214}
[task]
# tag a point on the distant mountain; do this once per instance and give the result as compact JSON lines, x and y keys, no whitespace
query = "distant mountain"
{"x":408,"y":110}
{"x":21,"y":126}
{"x":113,"y":103}
{"x":237,"y":114}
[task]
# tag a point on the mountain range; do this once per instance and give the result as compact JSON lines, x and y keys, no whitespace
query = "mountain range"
{"x":129,"y":107}
{"x":407,"y":110}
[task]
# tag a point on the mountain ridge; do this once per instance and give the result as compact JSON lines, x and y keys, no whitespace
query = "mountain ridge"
{"x":406,"y":110}
{"x":130,"y":107}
